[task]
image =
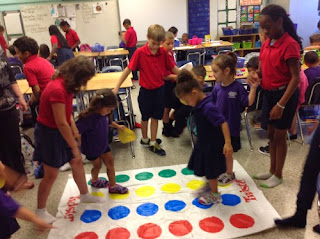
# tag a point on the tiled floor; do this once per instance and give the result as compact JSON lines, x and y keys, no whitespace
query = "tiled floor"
{"x":178,"y":150}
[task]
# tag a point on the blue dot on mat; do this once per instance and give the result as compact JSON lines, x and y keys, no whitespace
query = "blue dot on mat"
{"x":89,"y":216}
{"x":175,"y":205}
{"x":230,"y":199}
{"x":118,"y":212}
{"x":147,"y":209}
{"x":197,"y":204}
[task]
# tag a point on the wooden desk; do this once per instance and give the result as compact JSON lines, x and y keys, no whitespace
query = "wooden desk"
{"x":203,"y":46}
{"x":211,"y":78}
{"x":102,"y":54}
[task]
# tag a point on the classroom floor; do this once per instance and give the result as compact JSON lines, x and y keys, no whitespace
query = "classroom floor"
{"x":282,"y":198}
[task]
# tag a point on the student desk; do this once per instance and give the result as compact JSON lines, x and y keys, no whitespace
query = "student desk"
{"x":210,"y":78}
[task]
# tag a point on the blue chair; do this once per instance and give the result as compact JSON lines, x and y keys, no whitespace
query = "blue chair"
{"x":195,"y":56}
{"x":208,"y":55}
{"x":117,"y":60}
{"x":182,"y":63}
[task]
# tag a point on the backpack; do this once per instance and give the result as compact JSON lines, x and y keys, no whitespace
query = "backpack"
{"x":191,"y":123}
{"x":85,"y":47}
{"x":27,"y":151}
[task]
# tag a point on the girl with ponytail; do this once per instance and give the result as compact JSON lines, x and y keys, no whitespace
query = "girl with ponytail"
{"x":213,"y":137}
{"x":279,"y":70}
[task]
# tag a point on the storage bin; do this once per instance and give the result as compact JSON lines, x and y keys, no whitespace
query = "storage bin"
{"x":247,"y":44}
{"x":257,"y":44}
{"x":245,"y":31}
{"x":229,"y":32}
{"x":236,"y":45}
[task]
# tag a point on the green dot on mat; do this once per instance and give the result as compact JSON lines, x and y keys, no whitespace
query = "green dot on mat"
{"x":122,"y":178}
{"x":187,"y":171}
{"x":167,"y":173}
{"x":144,"y":176}
{"x":89,"y":182}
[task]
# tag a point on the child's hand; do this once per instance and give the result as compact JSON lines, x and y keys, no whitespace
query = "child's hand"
{"x":76,"y":153}
{"x":42,"y":226}
{"x":253,"y":79}
{"x":121,"y":127}
{"x":227,"y":150}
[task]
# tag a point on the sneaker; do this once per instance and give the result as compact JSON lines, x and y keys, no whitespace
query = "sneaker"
{"x":210,"y":198}
{"x":159,"y":141}
{"x":100,"y":183}
{"x":202,"y":191}
{"x":226,"y":179}
{"x":157,"y":149}
{"x":265,"y":150}
{"x":65,"y":167}
{"x":118,"y":189}
{"x":166,"y":131}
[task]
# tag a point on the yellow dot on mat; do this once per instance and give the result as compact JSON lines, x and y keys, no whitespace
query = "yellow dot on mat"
{"x":171,"y":188}
{"x":224,"y":186}
{"x":145,"y":191}
{"x":119,"y":196}
{"x":98,"y":194}
{"x":195,"y":184}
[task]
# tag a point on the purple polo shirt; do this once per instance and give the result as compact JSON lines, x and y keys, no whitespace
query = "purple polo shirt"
{"x":230,"y":101}
{"x":312,"y":73}
{"x":94,"y":134}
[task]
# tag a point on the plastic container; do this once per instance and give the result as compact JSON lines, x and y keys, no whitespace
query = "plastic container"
{"x":126,"y":136}
{"x":236,"y":45}
{"x":240,"y":62}
{"x":247,"y":44}
{"x":245,"y":31}
{"x":257,"y":44}
{"x":255,"y":30}
{"x":199,"y":41}
{"x":229,"y":32}
{"x":97,"y":48}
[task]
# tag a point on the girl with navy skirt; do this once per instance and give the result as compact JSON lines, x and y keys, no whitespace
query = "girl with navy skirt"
{"x":93,"y":125}
{"x":231,"y":98}
{"x":56,"y":132}
{"x":279,"y":70}
{"x":213,"y":139}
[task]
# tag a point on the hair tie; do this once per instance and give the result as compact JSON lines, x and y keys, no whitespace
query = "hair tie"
{"x":101,"y":96}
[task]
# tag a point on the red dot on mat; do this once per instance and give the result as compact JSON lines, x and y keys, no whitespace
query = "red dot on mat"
{"x":118,"y":233}
{"x":87,"y":235}
{"x":241,"y":221}
{"x":180,"y":228}
{"x":211,"y":224}
{"x":149,"y":231}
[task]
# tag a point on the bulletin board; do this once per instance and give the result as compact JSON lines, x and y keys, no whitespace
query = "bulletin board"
{"x":250,"y":13}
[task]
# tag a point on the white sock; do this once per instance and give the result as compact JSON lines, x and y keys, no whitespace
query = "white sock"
{"x":145,"y":140}
{"x":271,"y":182}
{"x":44,"y":215}
{"x":262,"y":176}
{"x":88,"y":198}
{"x":152,"y":143}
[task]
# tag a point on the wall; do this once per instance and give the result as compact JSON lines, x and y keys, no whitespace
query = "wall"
{"x":284,"y":3}
{"x":306,"y":18}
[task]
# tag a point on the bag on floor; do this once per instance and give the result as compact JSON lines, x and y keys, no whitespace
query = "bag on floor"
{"x":27,"y":151}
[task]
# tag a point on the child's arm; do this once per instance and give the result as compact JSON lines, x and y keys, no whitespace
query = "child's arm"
{"x":227,"y":149}
{"x":175,"y":70}
{"x":315,"y":47}
{"x":171,"y":77}
{"x":59,"y":110}
{"x":117,"y":126}
{"x":23,"y":104}
{"x":53,"y":51}
{"x":75,"y":130}
{"x":123,"y":77}
{"x":36,"y":93}
{"x":27,"y":215}
{"x":252,"y":94}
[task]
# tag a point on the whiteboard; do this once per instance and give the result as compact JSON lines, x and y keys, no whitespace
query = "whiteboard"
{"x":13,"y":23}
{"x":144,"y":13}
{"x":91,"y":28}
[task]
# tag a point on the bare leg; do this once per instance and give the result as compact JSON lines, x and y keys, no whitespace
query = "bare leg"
{"x":213,"y":185}
{"x":109,"y":162}
{"x":144,"y":129}
{"x":96,"y":169}
{"x":229,"y":165}
{"x":50,"y":175}
{"x":272,"y":145}
{"x":79,"y":175}
{"x":280,"y":138}
{"x":154,"y":129}
{"x":293,"y":129}
{"x":165,"y":117}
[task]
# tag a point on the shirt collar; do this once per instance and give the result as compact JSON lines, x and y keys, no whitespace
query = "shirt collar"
{"x":278,"y":42}
{"x":148,"y":52}
{"x":203,"y":102}
{"x":31,"y":58}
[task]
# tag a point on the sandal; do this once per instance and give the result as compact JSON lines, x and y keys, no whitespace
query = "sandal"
{"x":100,"y":183}
{"x":118,"y":189}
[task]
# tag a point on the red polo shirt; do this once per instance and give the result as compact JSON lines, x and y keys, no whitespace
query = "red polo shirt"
{"x":275,"y":70}
{"x":54,"y":40}
{"x":55,"y":92}
{"x":152,"y":67}
{"x":169,"y":72}
{"x":131,"y":37}
{"x":72,"y":37}
{"x":38,"y":71}
{"x":3,"y":44}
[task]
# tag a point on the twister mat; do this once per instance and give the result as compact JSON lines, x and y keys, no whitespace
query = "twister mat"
{"x":161,"y":203}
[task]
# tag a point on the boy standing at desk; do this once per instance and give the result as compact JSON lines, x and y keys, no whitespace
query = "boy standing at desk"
{"x":153,"y":62}
{"x":130,"y":39}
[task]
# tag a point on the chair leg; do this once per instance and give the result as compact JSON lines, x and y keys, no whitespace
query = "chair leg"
{"x":132,"y":150}
{"x":300,"y":127}
{"x":248,"y":129}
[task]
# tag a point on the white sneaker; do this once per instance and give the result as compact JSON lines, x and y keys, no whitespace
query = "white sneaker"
{"x":65,"y":167}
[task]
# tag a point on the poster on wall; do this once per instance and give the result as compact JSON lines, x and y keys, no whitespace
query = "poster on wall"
{"x":250,"y":2}
{"x":97,"y":8}
{"x":250,"y":13}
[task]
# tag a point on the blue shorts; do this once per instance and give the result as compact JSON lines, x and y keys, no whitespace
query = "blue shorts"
{"x":151,"y":103}
{"x":95,"y":157}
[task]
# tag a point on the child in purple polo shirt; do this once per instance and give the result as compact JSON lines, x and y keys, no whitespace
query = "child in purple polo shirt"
{"x":93,"y":125}
{"x":311,"y":59}
{"x":213,"y":137}
{"x":230,"y":98}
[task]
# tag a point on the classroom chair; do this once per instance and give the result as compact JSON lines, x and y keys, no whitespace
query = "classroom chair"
{"x":182,"y":63}
{"x":118,"y":60}
{"x":196,"y":56}
{"x":223,"y":50}
{"x":208,"y":55}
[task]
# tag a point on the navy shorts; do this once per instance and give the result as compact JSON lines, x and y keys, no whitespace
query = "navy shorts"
{"x":151,"y":103}
{"x":270,"y":99}
{"x":170,"y":98}
{"x":50,"y":147}
{"x":95,"y":157}
{"x":236,"y":143}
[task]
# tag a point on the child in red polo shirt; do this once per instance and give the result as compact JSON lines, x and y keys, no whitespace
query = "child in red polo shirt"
{"x":130,"y":39}
{"x":38,"y":71}
{"x":3,"y":42}
{"x":71,"y":36}
{"x":153,"y":62}
{"x":279,"y":70}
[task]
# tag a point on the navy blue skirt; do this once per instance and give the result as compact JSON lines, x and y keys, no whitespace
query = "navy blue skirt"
{"x":64,"y":54}
{"x":50,"y":147}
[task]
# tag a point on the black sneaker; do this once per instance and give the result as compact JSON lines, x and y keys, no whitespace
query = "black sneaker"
{"x":265,"y":150}
{"x":159,"y":141}
{"x":166,"y":131}
{"x":157,"y":149}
